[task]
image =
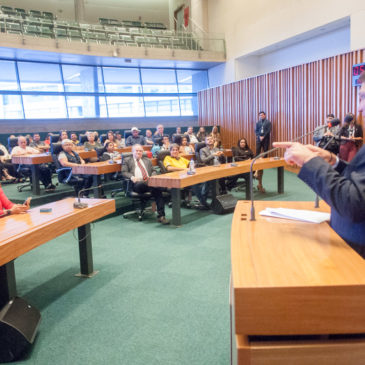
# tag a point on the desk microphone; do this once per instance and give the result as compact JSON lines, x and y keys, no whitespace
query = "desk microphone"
{"x":252,"y":218}
{"x":80,"y":205}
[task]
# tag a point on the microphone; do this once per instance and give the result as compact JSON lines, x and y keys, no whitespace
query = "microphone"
{"x":333,"y":123}
{"x":80,"y":205}
{"x":252,"y":218}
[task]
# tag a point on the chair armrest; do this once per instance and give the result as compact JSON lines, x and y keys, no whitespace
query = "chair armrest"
{"x":66,"y":169}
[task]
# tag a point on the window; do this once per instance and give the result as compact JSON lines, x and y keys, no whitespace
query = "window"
{"x":48,"y":90}
{"x":122,"y":80}
{"x":158,"y":81}
{"x":40,"y":77}
{"x":8,"y":78}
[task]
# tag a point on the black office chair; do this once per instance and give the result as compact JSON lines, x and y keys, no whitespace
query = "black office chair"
{"x":82,"y":139}
{"x":64,"y":174}
{"x":139,"y":201}
{"x":160,"y":158}
{"x":198,"y":147}
{"x":12,"y":142}
{"x":54,"y":138}
{"x":103,"y":138}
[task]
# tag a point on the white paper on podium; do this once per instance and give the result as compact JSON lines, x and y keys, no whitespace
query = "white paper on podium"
{"x":297,"y":214}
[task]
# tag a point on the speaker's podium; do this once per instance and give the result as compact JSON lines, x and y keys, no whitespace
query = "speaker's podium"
{"x":297,"y":291}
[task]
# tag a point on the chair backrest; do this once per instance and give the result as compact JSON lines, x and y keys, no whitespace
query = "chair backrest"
{"x":12,"y":142}
{"x":62,"y":175}
{"x":82,"y":138}
{"x":56,"y":148}
{"x":103,"y":138}
{"x":160,"y":158}
{"x":127,"y":133}
{"x":176,"y":138}
{"x":54,"y":137}
{"x":100,"y":151}
{"x":198,"y":147}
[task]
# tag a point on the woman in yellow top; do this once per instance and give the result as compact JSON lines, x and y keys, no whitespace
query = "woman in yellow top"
{"x":175,"y":162}
{"x":178,"y":163}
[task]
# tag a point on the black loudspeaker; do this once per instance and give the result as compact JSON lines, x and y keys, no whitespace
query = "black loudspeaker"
{"x":18,"y":326}
{"x":223,"y":204}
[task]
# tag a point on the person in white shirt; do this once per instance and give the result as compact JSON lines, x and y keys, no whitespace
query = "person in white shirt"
{"x":192,"y":136}
{"x":45,"y":175}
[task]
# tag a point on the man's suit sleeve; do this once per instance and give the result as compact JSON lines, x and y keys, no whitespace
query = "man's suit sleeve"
{"x":267,"y":129}
{"x":345,"y":195}
{"x":204,"y":156}
{"x":126,"y":169}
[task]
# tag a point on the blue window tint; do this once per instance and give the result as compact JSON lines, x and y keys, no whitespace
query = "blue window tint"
{"x":44,"y":106}
{"x":11,"y":107}
{"x":189,"y":105}
{"x":122,"y":80}
{"x":81,"y":78}
{"x":125,"y":106}
{"x":40,"y":77}
{"x":8,"y":79}
{"x":192,"y":81}
{"x":103,"y":107}
{"x":161,"y":106}
{"x":158,"y":81}
{"x":83,"y":106}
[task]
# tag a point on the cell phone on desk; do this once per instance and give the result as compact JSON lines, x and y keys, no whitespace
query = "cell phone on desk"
{"x":45,"y":210}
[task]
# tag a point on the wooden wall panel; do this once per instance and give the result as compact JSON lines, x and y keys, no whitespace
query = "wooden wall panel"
{"x":296,"y":100}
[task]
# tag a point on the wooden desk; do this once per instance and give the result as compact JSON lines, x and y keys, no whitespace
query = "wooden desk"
{"x":24,"y":232}
{"x":294,"y":279}
{"x":96,"y":169}
{"x":35,"y":160}
{"x":180,"y":179}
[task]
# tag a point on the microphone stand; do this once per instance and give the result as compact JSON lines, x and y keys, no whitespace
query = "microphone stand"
{"x":252,"y":218}
{"x":80,"y":205}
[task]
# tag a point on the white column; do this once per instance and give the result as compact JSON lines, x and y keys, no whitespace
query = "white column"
{"x":79,"y":11}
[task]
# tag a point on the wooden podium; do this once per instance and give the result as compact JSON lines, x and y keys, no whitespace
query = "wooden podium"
{"x":297,"y":291}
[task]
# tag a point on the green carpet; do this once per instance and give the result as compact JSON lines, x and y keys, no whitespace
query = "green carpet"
{"x":161,"y":296}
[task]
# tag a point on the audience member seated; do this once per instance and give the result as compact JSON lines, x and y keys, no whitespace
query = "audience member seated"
{"x":165,"y":143}
{"x":138,"y":168}
{"x":74,"y":139}
{"x":109,"y":153}
{"x":7,"y":169}
{"x":9,"y":208}
{"x":241,"y":152}
{"x":148,"y":139}
{"x":178,"y":133}
{"x":135,"y":138}
{"x":158,"y":135}
{"x":111,"y":138}
{"x":29,"y":139}
{"x":351,"y":135}
{"x":38,"y":144}
{"x":201,"y":134}
{"x":185,"y":147}
{"x":192,"y":136}
{"x":216,"y":137}
{"x":91,"y":144}
{"x":175,"y":162}
{"x":211,"y":155}
{"x":44,"y":172}
{"x":68,"y":158}
{"x":119,"y":140}
{"x":63,"y":135}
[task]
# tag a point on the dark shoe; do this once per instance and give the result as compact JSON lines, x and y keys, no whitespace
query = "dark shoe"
{"x":50,"y":188}
{"x":202,"y":206}
{"x":163,"y":220}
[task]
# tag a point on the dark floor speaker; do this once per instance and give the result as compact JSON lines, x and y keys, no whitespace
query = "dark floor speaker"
{"x":223,"y":204}
{"x":18,"y":326}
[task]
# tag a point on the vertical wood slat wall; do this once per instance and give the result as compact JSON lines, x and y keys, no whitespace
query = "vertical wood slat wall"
{"x":296,"y":100}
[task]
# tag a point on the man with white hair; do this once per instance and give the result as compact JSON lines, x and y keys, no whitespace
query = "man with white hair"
{"x":138,"y":169}
{"x":45,"y":175}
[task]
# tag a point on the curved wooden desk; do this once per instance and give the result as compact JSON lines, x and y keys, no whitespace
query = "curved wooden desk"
{"x":298,"y":280}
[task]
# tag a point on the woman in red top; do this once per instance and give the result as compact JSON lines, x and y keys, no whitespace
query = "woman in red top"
{"x":8,"y":208}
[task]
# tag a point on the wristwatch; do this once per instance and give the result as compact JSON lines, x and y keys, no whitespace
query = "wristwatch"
{"x":7,"y":211}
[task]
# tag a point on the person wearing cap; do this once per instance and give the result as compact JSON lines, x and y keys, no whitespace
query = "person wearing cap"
{"x":68,"y":158}
{"x":135,"y":138}
{"x":339,"y":183}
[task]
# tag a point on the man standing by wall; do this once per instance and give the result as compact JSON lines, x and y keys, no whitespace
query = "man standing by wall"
{"x":262,"y":131}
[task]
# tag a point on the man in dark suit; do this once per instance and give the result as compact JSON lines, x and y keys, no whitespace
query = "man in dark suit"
{"x":138,"y":169}
{"x":262,"y":131}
